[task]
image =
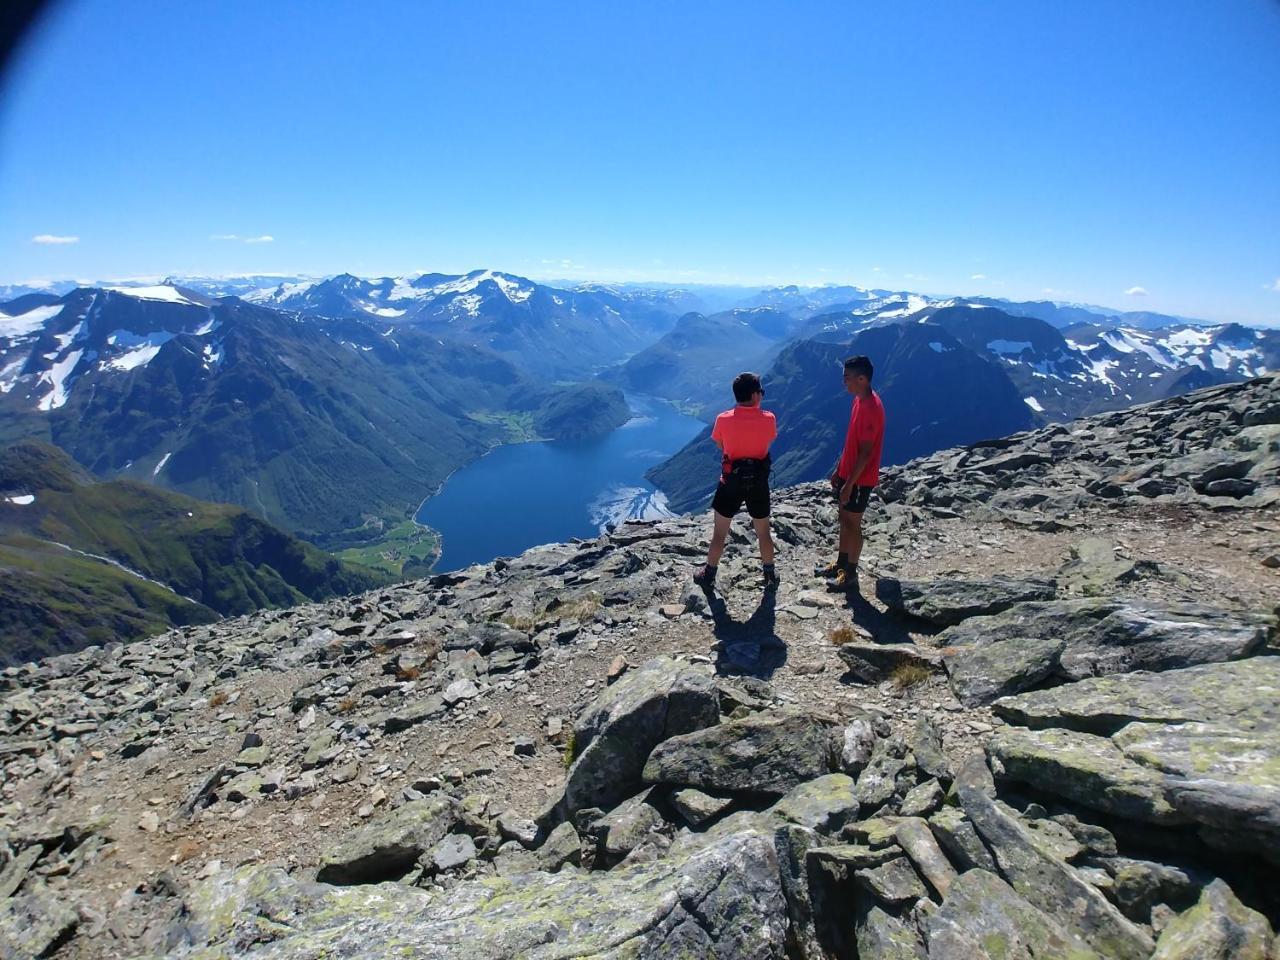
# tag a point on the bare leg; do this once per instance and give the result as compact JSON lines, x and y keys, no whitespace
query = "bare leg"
{"x":719,"y":532}
{"x":851,"y":534}
{"x":765,"y":538}
{"x":843,"y":521}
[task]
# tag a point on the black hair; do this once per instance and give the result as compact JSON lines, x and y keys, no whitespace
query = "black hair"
{"x":745,"y":386}
{"x":859,"y":365}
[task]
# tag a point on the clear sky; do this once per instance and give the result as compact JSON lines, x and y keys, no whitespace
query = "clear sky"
{"x":1123,"y":153}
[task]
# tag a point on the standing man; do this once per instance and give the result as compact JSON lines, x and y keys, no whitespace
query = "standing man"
{"x":858,"y":471}
{"x":743,"y":435}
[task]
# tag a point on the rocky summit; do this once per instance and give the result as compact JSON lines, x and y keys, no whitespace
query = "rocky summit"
{"x":1045,"y":726}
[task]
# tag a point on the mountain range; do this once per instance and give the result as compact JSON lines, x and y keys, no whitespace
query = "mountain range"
{"x":322,"y":425}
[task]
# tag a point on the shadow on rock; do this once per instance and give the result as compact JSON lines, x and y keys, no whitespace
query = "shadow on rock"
{"x":885,"y":626}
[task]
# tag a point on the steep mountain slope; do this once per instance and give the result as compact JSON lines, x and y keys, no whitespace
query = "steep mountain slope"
{"x":937,"y":393}
{"x":318,"y":425}
{"x":694,"y":364}
{"x":88,"y":562}
{"x":560,"y":334}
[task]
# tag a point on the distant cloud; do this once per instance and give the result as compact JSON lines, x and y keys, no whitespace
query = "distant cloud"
{"x":265,"y":238}
{"x":235,"y":237}
{"x":1274,"y":287}
{"x":51,"y":239}
{"x":978,"y":276}
{"x":1136,"y":292}
{"x":877,"y":269}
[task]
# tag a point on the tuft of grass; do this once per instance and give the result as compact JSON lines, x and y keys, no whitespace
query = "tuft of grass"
{"x":907,"y":675}
{"x":579,"y":609}
{"x":570,"y":749}
{"x":841,"y":635}
{"x":524,"y":622}
{"x":408,"y":673}
{"x":347,"y":704}
{"x":218,"y":699}
{"x":380,"y":648}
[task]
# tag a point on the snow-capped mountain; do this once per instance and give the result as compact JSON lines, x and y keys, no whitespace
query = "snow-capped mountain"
{"x":47,"y":344}
{"x":546,"y":330}
{"x":804,"y":302}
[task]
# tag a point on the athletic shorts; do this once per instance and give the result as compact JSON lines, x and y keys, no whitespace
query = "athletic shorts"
{"x":732,"y":494}
{"x":859,"y":499}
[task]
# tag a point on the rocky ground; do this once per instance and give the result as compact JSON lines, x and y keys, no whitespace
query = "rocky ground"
{"x":1046,"y":725}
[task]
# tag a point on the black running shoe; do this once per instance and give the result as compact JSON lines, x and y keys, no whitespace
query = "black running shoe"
{"x":704,"y":578}
{"x":846,"y":579}
{"x":771,"y":580}
{"x":827,"y":571}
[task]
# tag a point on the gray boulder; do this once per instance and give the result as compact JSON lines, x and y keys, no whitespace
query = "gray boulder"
{"x":983,"y":918}
{"x":882,"y":936}
{"x":1096,"y":637}
{"x":613,"y":737}
{"x":724,"y":901}
{"x":1219,"y":927}
{"x":948,"y":602}
{"x":1047,"y":883}
{"x":824,"y":805}
{"x":388,"y":847}
{"x":876,"y":662}
{"x":767,"y":753}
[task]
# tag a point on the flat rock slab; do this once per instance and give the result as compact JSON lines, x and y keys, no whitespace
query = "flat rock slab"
{"x":1199,"y":746}
{"x":1067,"y":640}
{"x":767,"y":754}
{"x":949,"y":602}
{"x":724,"y":901}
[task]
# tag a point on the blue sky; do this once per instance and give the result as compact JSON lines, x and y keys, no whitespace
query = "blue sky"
{"x":1087,"y":151}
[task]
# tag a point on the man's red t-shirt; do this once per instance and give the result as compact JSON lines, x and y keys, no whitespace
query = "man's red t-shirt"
{"x":866,"y":424}
{"x":745,"y":432}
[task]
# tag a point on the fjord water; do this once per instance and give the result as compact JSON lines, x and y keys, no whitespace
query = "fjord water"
{"x":524,"y":494}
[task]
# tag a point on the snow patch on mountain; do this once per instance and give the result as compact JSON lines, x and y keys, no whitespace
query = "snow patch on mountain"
{"x":161,"y":292}
{"x":1033,"y":403}
{"x":57,"y":377}
{"x":27,"y":323}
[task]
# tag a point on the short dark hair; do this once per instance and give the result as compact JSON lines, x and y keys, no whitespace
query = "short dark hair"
{"x":745,"y":386}
{"x":859,"y":365}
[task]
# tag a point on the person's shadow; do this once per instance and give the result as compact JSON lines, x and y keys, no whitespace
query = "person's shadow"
{"x":885,"y":626}
{"x":748,"y":647}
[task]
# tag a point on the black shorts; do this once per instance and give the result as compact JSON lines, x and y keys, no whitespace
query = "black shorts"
{"x":858,"y":500}
{"x":732,"y":494}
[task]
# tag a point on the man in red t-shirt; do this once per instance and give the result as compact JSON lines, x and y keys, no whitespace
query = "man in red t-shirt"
{"x":743,"y":434}
{"x":858,"y":471}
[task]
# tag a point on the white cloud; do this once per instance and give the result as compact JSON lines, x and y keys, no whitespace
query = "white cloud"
{"x":1136,"y":292}
{"x":1275,"y":286}
{"x":49,"y":238}
{"x":877,"y":269}
{"x":265,"y":238}
{"x":978,"y":276}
